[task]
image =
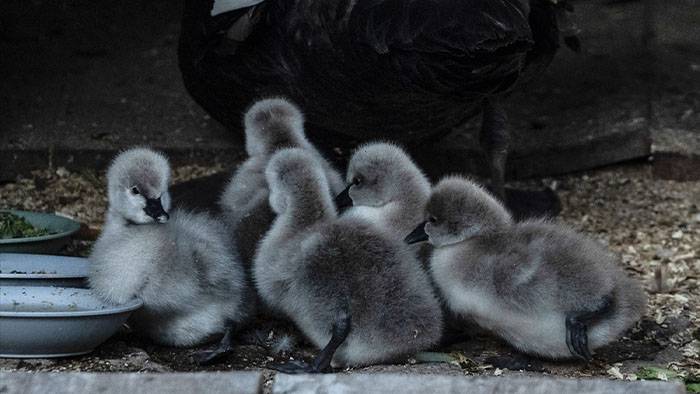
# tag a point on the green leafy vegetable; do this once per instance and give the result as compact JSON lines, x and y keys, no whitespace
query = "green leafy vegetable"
{"x":13,"y":226}
{"x":656,"y":373}
{"x":692,"y":382}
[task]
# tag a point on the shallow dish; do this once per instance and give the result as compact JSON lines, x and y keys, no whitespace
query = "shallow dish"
{"x":18,"y":269}
{"x":62,"y":228}
{"x":40,"y":322}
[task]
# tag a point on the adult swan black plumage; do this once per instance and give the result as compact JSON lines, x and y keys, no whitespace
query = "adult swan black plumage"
{"x":405,"y":70}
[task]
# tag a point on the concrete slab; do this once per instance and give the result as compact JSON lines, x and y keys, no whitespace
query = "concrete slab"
{"x":419,"y":384}
{"x":84,"y":80}
{"x":252,"y":382}
{"x":132,"y":383}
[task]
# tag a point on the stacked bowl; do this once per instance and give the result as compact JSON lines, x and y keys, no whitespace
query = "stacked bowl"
{"x":46,"y":307}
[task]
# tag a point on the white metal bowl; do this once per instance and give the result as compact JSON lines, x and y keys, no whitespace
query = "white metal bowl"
{"x":17,"y":269}
{"x":40,"y":322}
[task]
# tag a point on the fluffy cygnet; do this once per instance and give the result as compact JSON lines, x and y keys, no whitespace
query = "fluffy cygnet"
{"x":270,"y":125}
{"x":179,"y":264}
{"x":544,"y":288}
{"x":353,"y":289}
{"x":386,"y":187}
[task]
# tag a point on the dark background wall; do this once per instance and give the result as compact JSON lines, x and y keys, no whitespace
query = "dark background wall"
{"x":82,"y":79}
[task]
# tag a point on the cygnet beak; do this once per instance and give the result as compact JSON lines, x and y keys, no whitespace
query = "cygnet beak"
{"x":154,"y":209}
{"x":417,"y":235}
{"x":343,"y":200}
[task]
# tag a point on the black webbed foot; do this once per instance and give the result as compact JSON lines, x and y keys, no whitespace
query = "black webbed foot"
{"x":322,"y":362}
{"x":294,"y":367}
{"x":216,"y":354}
{"x":577,"y":324}
{"x":577,"y":338}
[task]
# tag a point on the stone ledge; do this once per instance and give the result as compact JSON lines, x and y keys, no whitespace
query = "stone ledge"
{"x":252,"y":382}
{"x":131,"y":383}
{"x":387,"y":383}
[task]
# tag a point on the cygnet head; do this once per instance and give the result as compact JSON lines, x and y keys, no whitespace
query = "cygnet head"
{"x":272,"y":124}
{"x":137,"y":184}
{"x":459,"y":209}
{"x":297,"y":180}
{"x":379,"y":173}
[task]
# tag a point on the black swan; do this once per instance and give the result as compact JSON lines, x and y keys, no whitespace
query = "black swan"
{"x":408,"y":71}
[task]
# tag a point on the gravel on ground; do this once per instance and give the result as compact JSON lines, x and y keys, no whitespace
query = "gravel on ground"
{"x":652,"y":224}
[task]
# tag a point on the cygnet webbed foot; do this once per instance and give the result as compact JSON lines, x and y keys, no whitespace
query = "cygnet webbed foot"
{"x":294,"y":367}
{"x":577,"y":337}
{"x":577,"y":329}
{"x":214,"y":355}
{"x":322,"y":362}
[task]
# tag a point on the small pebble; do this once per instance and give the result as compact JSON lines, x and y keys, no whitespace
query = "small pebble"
{"x":62,"y":172}
{"x":663,"y":253}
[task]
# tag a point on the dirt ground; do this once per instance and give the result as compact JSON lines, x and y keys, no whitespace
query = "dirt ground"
{"x":653,"y":224}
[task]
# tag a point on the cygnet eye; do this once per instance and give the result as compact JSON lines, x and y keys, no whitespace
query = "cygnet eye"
{"x":432,"y":219}
{"x":357,"y":181}
{"x":135,"y":191}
